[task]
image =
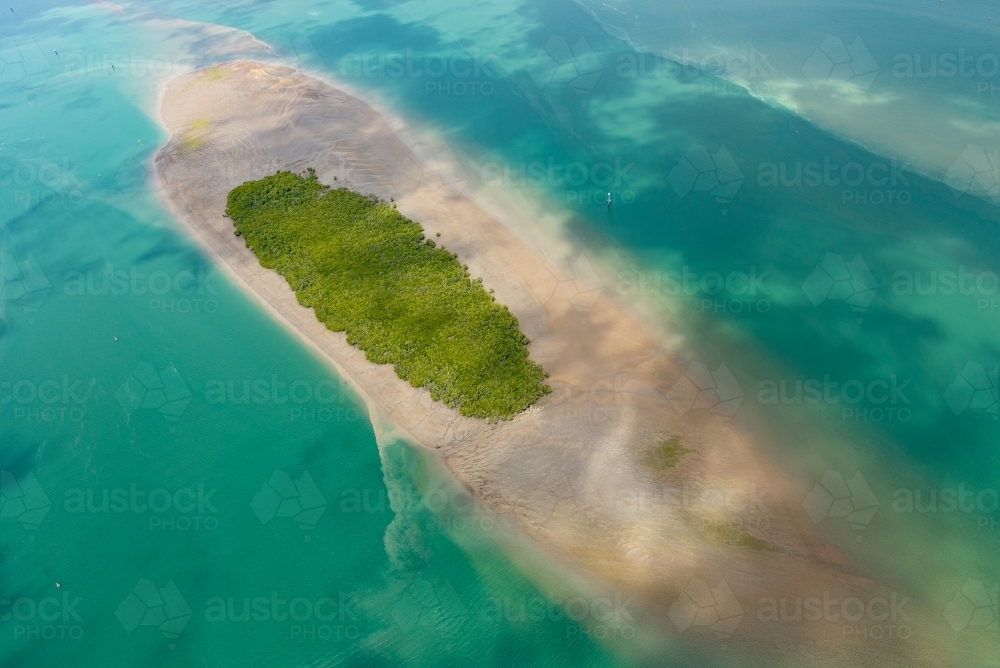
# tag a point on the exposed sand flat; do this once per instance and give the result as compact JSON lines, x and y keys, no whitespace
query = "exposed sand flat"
{"x":569,"y":471}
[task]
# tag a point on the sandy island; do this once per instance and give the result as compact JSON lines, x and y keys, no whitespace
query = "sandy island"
{"x":569,"y":471}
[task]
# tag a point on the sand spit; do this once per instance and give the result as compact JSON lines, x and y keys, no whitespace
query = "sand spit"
{"x":572,"y":470}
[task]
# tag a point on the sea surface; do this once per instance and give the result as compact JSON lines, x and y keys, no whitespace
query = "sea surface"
{"x":807,"y":191}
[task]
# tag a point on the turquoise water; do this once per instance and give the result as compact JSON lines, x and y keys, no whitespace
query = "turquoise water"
{"x":203,"y":414}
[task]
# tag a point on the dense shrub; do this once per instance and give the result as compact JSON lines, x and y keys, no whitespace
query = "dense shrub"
{"x":368,"y":271}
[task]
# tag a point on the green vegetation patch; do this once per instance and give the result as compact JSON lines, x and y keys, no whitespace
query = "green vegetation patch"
{"x":368,"y":271}
{"x":732,"y":535}
{"x":665,"y":454}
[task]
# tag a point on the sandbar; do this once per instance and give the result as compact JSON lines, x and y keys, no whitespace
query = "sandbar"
{"x":571,"y":472}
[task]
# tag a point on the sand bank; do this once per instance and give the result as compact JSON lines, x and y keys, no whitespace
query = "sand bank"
{"x":571,"y":471}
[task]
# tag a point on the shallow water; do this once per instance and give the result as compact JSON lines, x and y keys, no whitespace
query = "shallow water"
{"x":203,"y":412}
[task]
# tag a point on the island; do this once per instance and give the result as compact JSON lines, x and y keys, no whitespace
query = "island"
{"x":619,"y":473}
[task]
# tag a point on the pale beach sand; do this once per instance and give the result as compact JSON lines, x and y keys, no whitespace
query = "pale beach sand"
{"x":569,"y":471}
